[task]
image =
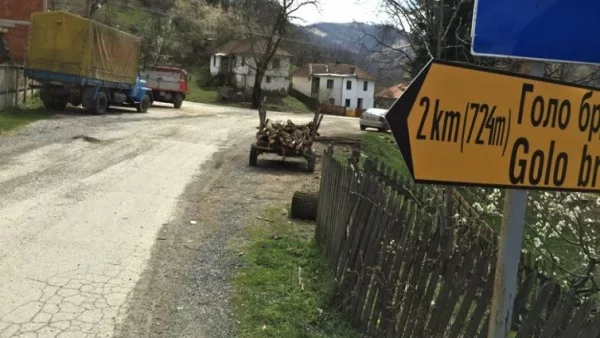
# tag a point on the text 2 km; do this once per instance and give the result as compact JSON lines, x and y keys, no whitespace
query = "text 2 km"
{"x":483,"y":127}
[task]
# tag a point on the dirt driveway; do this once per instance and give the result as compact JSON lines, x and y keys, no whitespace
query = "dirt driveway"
{"x":118,"y":225}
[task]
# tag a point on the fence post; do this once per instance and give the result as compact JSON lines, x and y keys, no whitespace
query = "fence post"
{"x":5,"y":87}
{"x":24,"y":87}
{"x":16,"y":86}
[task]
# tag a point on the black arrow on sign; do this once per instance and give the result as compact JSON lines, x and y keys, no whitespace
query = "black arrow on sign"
{"x":397,"y":116}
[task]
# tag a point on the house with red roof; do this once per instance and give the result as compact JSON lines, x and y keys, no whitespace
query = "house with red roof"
{"x":386,"y":97}
{"x":336,"y":84}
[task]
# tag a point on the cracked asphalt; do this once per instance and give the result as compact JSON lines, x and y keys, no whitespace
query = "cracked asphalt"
{"x":118,"y":225}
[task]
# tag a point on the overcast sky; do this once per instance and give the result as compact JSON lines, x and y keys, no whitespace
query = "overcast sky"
{"x":341,"y":11}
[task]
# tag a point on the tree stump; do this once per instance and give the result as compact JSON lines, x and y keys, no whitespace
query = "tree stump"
{"x":304,"y":205}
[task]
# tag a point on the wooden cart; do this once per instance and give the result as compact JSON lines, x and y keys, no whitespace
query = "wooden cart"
{"x":277,"y":148}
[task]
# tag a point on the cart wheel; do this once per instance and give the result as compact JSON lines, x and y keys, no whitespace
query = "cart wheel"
{"x":253,"y":155}
{"x":312,"y":161}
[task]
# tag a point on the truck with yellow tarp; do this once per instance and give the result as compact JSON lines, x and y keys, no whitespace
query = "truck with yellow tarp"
{"x":83,"y":62}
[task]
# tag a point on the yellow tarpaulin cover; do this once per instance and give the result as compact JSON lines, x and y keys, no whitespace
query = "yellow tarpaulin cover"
{"x":65,"y":43}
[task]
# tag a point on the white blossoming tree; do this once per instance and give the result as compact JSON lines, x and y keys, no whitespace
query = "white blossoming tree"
{"x":561,"y":232}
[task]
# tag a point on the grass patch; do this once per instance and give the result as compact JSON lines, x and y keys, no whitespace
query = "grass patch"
{"x":202,"y":92}
{"x":18,"y":116}
{"x":199,"y":90}
{"x":295,"y":105}
{"x":382,"y":147}
{"x":268,"y":300}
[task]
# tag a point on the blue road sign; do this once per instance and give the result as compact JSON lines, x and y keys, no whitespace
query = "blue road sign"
{"x":552,"y":30}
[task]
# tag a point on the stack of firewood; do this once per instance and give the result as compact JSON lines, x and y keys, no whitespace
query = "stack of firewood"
{"x":287,"y":138}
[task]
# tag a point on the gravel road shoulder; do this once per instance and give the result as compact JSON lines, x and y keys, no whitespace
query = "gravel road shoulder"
{"x":186,"y":290}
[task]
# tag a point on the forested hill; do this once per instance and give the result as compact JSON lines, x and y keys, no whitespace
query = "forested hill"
{"x":184,"y":32}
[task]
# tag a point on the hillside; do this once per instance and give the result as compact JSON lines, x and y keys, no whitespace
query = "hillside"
{"x":372,"y":47}
{"x":127,"y":15}
{"x":353,"y":36}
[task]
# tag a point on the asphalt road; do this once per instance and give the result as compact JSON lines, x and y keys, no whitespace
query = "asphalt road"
{"x":85,"y":201}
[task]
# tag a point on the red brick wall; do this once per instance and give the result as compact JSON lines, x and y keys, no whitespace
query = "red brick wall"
{"x":16,"y":38}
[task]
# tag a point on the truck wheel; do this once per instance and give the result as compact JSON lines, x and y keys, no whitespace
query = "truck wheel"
{"x":178,"y":101}
{"x":49,"y":104}
{"x":143,"y":106}
{"x":60,"y":105}
{"x":253,"y":156}
{"x":76,"y":102}
{"x":55,"y":105}
{"x":101,"y":104}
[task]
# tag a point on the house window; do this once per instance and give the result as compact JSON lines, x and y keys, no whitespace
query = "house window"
{"x":214,"y":60}
{"x":348,"y":85}
{"x":366,"y":86}
{"x":332,"y":101}
{"x":276,"y":63}
{"x":268,"y":79}
{"x":359,"y":104}
{"x":329,"y":84}
{"x":243,"y":61}
{"x":347,"y":102}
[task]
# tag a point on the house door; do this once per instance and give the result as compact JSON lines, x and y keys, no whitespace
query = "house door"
{"x":315,"y":87}
{"x":359,"y":104}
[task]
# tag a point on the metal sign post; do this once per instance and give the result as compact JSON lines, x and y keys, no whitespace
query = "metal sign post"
{"x":509,"y":248}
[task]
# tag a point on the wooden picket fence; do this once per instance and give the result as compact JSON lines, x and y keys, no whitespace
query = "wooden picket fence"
{"x":404,"y":269}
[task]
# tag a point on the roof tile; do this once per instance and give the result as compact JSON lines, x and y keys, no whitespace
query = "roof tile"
{"x":392,"y":92}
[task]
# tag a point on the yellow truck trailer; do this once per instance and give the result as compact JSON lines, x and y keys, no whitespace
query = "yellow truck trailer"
{"x":81,"y":61}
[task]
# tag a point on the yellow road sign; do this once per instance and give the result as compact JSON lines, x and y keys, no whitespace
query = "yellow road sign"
{"x":459,"y":124}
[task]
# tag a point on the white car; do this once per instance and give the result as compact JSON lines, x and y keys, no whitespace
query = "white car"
{"x":374,"y":118}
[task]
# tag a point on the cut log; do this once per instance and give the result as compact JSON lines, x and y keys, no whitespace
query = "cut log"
{"x":304,"y":205}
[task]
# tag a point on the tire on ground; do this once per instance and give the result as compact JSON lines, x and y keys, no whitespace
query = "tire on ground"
{"x":304,"y":205}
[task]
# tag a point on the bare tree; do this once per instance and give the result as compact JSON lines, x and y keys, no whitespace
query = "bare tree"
{"x":573,"y":73}
{"x":434,"y":29}
{"x":267,"y":22}
{"x":92,"y":6}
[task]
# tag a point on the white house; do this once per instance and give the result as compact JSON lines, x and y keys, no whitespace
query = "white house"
{"x":238,"y":59}
{"x":336,"y":84}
